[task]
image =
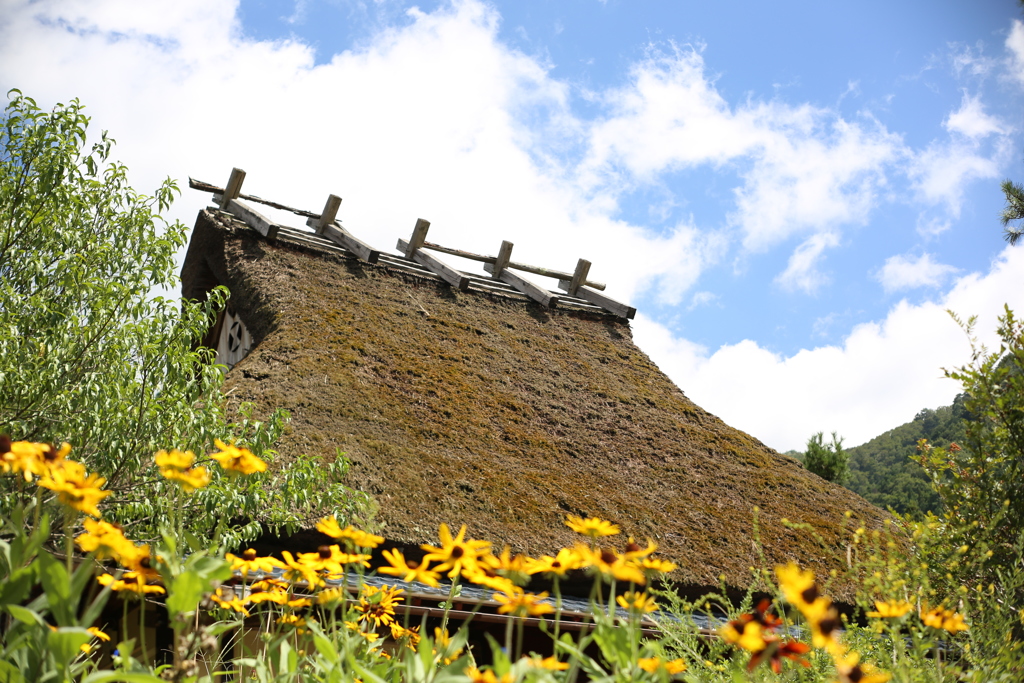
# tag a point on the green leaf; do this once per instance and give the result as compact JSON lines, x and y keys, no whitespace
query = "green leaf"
{"x":57,"y":587}
{"x":25,"y":615}
{"x":121,"y":677}
{"x":65,"y":644}
{"x":185,"y":592}
{"x":9,"y":673}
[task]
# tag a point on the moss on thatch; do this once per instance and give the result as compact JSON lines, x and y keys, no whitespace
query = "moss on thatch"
{"x":480,"y":409}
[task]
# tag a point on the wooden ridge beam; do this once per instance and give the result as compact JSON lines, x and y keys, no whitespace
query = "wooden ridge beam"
{"x":250,"y":217}
{"x":435,"y":265}
{"x":535,"y":292}
{"x":525,"y":267}
{"x":228,"y":202}
{"x":343,"y":238}
{"x":603,"y":300}
{"x":213,"y":189}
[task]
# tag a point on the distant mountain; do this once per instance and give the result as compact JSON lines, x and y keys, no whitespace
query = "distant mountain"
{"x":881,"y":469}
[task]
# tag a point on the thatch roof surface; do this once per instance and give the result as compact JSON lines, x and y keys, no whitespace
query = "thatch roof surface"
{"x":477,"y":409}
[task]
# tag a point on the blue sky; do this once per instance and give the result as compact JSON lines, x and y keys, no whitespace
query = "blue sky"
{"x":791,"y":193}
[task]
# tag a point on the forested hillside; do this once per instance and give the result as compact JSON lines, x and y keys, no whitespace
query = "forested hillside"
{"x":881,"y":469}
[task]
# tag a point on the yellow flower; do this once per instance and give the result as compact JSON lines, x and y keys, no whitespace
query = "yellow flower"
{"x":261,"y":592}
{"x":550,"y":663}
{"x":133,"y":582}
{"x":74,"y":488}
{"x":190,"y":479}
{"x":483,"y":575}
{"x":520,"y":604}
{"x":561,"y":564}
{"x":799,"y":587}
{"x":475,"y":675}
{"x":293,"y":620}
{"x":105,"y":540}
{"x":329,"y":597}
{"x":298,"y":571}
{"x":455,"y":553}
{"x":409,"y":570}
{"x":98,"y":634}
{"x":174,"y":459}
{"x":593,"y":527}
{"x":330,"y":527}
{"x":652,"y":565}
{"x":611,"y":564}
{"x":637,"y":602}
{"x":652,"y":664}
{"x":377,"y":605}
{"x":331,"y":560}
{"x":890,"y":610}
{"x":940,"y":618}
{"x":850,"y":670}
{"x":634,"y":551}
{"x":29,"y":459}
{"x":442,"y":643}
{"x":748,"y":635}
{"x":234,"y":459}
{"x":229,"y":601}
{"x":249,"y":562}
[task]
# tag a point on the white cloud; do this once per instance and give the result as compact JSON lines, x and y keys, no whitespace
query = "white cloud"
{"x":972,"y":121}
{"x":907,"y":272}
{"x":880,"y":377}
{"x":805,"y":171}
{"x":802,"y":270}
{"x":940,"y":173}
{"x":422,"y":120}
{"x":1015,"y":46}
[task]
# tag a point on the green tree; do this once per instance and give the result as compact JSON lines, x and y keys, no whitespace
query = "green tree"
{"x":981,"y":479}
{"x":88,"y":355}
{"x":1014,"y":211}
{"x":827,"y":460}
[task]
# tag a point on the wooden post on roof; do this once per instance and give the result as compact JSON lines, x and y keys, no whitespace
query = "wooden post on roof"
{"x":419,"y":236}
{"x":535,"y":292}
{"x":233,"y":188}
{"x":413,"y":251}
{"x":579,"y":277}
{"x":329,"y":213}
{"x":504,"y":256}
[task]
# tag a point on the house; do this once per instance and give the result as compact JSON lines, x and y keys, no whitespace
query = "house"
{"x":488,"y":400}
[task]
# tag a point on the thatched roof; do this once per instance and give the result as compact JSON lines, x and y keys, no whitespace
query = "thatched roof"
{"x":488,"y":410}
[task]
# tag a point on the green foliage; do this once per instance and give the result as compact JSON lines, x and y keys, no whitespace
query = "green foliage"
{"x":981,"y":480}
{"x":1014,"y":210}
{"x":45,"y":610}
{"x":88,"y":356}
{"x":883,"y":471}
{"x":827,"y":460}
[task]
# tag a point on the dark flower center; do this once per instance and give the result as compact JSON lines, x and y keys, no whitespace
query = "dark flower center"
{"x":5,"y":443}
{"x":608,"y":557}
{"x":49,"y":453}
{"x":828,"y":625}
{"x":811,"y":594}
{"x":457,"y":552}
{"x":324,"y":552}
{"x":633,"y":548}
{"x":249,"y":555}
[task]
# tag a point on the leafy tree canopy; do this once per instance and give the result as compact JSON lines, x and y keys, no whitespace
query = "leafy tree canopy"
{"x":827,"y":460}
{"x":88,"y":356}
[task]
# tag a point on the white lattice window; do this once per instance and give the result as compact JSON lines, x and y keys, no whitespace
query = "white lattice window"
{"x":234,"y":342}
